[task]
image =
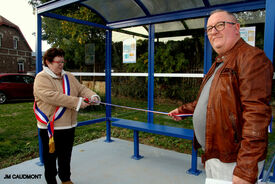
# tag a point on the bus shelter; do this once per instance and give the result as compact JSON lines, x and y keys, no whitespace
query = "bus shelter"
{"x":176,"y":16}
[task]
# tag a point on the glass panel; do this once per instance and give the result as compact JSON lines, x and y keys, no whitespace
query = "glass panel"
{"x":139,"y":33}
{"x":251,"y":17}
{"x":120,"y":10}
{"x":166,"y":6}
{"x":21,"y":69}
{"x":15,"y":43}
{"x":6,"y":79}
{"x":28,"y":79}
{"x":215,"y":2}
{"x":252,"y":27}
{"x":169,"y":26}
{"x":195,"y":23}
{"x":1,"y":40}
{"x":138,"y":29}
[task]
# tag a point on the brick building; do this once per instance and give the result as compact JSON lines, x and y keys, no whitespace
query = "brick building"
{"x":15,"y":52}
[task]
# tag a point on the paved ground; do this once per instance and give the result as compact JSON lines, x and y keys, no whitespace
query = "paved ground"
{"x":98,"y":162}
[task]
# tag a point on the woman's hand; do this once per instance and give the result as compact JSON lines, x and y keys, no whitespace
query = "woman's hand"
{"x":84,"y":104}
{"x":95,"y":100}
{"x":174,"y":117}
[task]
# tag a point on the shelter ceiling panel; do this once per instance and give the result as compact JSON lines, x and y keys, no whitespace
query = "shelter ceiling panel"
{"x":167,"y":6}
{"x":138,"y":29}
{"x":115,"y":11}
{"x":169,"y":26}
{"x":218,"y":2}
{"x":195,"y":23}
{"x":251,"y":17}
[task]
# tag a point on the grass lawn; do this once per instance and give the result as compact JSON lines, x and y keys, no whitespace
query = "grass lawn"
{"x":19,"y":138}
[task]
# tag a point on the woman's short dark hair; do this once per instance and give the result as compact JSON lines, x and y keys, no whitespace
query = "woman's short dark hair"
{"x":52,"y":53}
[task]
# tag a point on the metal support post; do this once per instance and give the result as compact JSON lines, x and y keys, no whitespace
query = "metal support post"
{"x":207,"y":52}
{"x":271,"y":178}
{"x":269,"y":51}
{"x":193,"y":170}
{"x":41,"y":163}
{"x":151,"y":48}
{"x":269,"y":33}
{"x":37,"y":70}
{"x":108,"y":83}
{"x":38,"y":48}
{"x":136,"y":155}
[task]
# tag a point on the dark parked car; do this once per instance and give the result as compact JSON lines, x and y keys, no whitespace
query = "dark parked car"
{"x":15,"y":86}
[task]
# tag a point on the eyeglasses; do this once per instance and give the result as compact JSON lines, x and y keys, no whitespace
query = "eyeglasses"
{"x":59,"y":62}
{"x":219,"y":26}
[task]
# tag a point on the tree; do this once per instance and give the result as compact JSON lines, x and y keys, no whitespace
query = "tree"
{"x":72,"y":37}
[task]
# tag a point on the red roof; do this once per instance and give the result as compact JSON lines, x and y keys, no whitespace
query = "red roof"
{"x":6,"y":22}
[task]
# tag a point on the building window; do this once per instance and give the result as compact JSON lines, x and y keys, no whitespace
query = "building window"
{"x":20,"y":66}
{"x":15,"y":42}
{"x":1,"y":38}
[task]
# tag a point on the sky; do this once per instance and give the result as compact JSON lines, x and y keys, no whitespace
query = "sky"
{"x":20,"y":13}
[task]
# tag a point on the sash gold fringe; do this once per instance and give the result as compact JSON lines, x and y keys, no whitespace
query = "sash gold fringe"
{"x":51,"y":145}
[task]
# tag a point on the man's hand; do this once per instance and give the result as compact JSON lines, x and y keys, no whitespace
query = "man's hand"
{"x":238,"y":180}
{"x":171,"y":114}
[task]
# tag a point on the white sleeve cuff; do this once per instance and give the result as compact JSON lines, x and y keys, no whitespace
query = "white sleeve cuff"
{"x":79,"y":103}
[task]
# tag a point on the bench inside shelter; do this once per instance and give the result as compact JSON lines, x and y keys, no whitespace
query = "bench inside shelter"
{"x":137,"y":126}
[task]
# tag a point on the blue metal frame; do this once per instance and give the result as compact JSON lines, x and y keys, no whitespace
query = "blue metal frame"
{"x":136,"y":155}
{"x":271,"y":178}
{"x":193,"y":170}
{"x":269,"y":29}
{"x":41,"y":160}
{"x":272,"y":165}
{"x":37,"y":70}
{"x":206,"y":3}
{"x":38,"y":45}
{"x":69,"y":19}
{"x":144,"y":9}
{"x":151,"y":47}
{"x":269,"y":51}
{"x":53,"y":5}
{"x":207,"y":51}
{"x":108,"y":65}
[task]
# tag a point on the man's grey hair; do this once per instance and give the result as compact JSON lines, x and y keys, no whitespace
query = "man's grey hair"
{"x":232,"y":16}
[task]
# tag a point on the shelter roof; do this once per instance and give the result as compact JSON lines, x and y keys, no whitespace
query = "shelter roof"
{"x":125,"y":13}
{"x":182,"y":16}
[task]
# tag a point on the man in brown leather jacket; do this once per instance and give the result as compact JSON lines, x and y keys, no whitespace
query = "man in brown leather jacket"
{"x":232,"y":112}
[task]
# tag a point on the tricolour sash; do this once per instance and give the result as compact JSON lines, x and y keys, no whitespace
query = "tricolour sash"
{"x":59,"y":111}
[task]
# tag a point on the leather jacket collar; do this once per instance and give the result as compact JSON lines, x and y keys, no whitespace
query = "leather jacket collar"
{"x":221,"y":58}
